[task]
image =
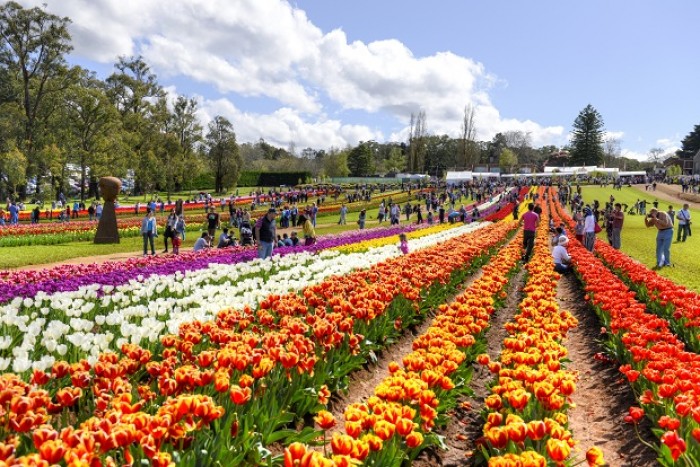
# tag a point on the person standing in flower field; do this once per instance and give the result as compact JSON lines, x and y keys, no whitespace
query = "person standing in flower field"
{"x":170,"y":224}
{"x":361,"y":219}
{"x":530,"y":221}
{"x":266,"y":233}
{"x":403,"y":244}
{"x":618,"y":219}
{"x":177,"y":242}
{"x":589,"y":232}
{"x":683,"y":217}
{"x":212,"y":222}
{"x":343,"y":214}
{"x":308,"y":229}
{"x":664,"y":236}
{"x":149,"y":230}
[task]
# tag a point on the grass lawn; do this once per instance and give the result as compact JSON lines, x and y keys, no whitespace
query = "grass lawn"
{"x":639,"y":242}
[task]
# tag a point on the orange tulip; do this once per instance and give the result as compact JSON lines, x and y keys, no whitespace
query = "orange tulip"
{"x":341,"y":444}
{"x":558,"y":450}
{"x":594,"y":456}
{"x":384,"y":429}
{"x":239,"y":395}
{"x":325,"y":420}
{"x":414,"y":439}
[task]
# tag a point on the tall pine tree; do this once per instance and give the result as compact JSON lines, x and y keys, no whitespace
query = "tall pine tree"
{"x":690,"y":144}
{"x":587,"y":138}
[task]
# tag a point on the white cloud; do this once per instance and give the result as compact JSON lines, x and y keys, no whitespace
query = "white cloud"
{"x":270,"y":49}
{"x":285,"y":126}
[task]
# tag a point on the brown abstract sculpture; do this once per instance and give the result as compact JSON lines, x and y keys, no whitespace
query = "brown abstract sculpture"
{"x":107,"y":231}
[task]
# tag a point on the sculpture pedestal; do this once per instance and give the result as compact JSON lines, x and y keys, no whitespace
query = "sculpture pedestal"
{"x":107,"y":231}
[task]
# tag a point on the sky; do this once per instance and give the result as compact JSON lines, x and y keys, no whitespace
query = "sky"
{"x":322,"y":74}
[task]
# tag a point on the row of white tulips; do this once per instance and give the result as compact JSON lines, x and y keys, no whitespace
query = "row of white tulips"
{"x":84,"y":323}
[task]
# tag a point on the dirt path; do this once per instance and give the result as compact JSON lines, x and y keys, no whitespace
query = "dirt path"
{"x":670,"y":194}
{"x":602,"y":397}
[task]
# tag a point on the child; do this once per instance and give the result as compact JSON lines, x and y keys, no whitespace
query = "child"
{"x":177,"y":241}
{"x":403,"y":245}
{"x":430,"y":217}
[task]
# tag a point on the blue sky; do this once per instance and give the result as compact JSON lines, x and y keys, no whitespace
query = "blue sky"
{"x":330,"y":73}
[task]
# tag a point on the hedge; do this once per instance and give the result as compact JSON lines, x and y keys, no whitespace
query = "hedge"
{"x":257,"y":178}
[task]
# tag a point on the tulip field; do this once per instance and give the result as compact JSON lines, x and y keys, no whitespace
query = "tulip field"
{"x":218,"y":358}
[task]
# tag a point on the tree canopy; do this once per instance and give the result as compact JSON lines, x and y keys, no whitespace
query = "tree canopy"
{"x":690,"y":144}
{"x":587,"y":138}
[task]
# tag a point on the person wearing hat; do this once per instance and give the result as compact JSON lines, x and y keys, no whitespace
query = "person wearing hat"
{"x":266,"y":233}
{"x":664,"y":236}
{"x":561,"y":257}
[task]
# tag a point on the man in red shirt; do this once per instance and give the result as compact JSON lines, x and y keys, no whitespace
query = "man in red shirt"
{"x":618,"y":219}
{"x":530,"y":221}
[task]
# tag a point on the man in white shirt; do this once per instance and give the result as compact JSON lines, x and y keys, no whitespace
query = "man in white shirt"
{"x":588,"y":229}
{"x":683,"y":217}
{"x":561,"y":257}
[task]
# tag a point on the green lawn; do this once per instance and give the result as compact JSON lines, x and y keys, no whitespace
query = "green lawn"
{"x":639,"y":241}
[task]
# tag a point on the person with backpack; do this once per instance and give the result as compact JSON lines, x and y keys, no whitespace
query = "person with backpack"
{"x":245,"y":230}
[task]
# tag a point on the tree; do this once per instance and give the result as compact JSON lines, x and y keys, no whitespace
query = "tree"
{"x":507,"y":159}
{"x":135,"y":92}
{"x":495,"y":147}
{"x":13,"y":166}
{"x":335,"y":164}
{"x":222,"y":154}
{"x":690,"y":144}
{"x":611,"y":151}
{"x":468,"y":148}
{"x":32,"y":48}
{"x":92,"y":132}
{"x":674,"y":171}
{"x":396,"y":162}
{"x":587,"y":138}
{"x":416,"y":142}
{"x":655,"y":155}
{"x":361,"y":161}
{"x":184,"y":125}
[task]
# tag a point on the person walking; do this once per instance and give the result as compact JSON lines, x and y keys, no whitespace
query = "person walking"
{"x":530,"y":221}
{"x":266,"y":233}
{"x":664,"y":236}
{"x":683,"y":217}
{"x":618,"y":219}
{"x":343,"y":215}
{"x":149,"y":230}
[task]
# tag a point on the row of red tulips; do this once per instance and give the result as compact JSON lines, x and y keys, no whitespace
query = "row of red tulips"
{"x":236,"y":384}
{"x":665,"y":376}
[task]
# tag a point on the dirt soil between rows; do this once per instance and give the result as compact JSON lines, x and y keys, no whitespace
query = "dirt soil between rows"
{"x":466,"y":424}
{"x":603,"y":396}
